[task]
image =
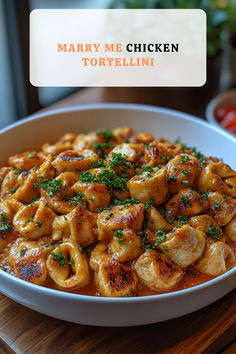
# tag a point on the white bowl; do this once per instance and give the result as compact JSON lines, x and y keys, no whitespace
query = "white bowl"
{"x":47,"y":127}
{"x":225,"y":99}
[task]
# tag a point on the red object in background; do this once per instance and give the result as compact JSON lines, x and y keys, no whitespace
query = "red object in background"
{"x":226,"y":116}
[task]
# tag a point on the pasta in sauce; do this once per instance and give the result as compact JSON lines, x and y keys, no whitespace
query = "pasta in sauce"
{"x":115,"y":213}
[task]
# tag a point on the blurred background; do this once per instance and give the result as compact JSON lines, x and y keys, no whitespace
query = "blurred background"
{"x":18,"y":98}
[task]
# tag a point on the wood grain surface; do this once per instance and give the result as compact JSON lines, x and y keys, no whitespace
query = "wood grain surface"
{"x":208,"y":330}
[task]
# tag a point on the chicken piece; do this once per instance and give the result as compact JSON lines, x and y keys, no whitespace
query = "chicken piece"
{"x":28,"y":190}
{"x":156,"y":221}
{"x":230,"y":229}
{"x":184,"y":246}
{"x":28,"y":261}
{"x":119,"y":218}
{"x":182,"y":170}
{"x":157,"y":153}
{"x":26,"y":160}
{"x":68,"y":267}
{"x":98,"y":255}
{"x":97,"y":195}
{"x":217,"y":259}
{"x":221,"y":207}
{"x":34,"y":220}
{"x":186,"y":203}
{"x":65,"y":143}
{"x":157,"y":271}
{"x":9,"y":184}
{"x":150,"y":185}
{"x":115,"y":279}
{"x":218,"y":177}
{"x":72,"y":161}
{"x":124,"y":135}
{"x":207,"y":224}
{"x":125,"y":245}
{"x":131,"y":152}
{"x":80,"y":225}
{"x":58,"y":193}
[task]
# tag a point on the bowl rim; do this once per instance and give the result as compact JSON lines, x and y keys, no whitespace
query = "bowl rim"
{"x":101,"y":299}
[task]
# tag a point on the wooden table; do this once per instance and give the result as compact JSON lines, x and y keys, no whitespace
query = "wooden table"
{"x":208,"y":330}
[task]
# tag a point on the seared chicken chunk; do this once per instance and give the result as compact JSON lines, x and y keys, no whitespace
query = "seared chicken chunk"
{"x":150,"y":185}
{"x":186,"y":203}
{"x":157,"y":153}
{"x":157,"y":271}
{"x":184,"y":246}
{"x":182,"y":170}
{"x":97,"y":195}
{"x":156,"y":220}
{"x":115,"y":279}
{"x":28,"y":261}
{"x":119,"y":218}
{"x":217,"y":259}
{"x":207,"y":224}
{"x":125,"y":245}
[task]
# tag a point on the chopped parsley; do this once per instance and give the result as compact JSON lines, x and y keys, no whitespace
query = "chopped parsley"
{"x":4,"y":269}
{"x":109,"y":216}
{"x":22,"y":251}
{"x":74,"y":200}
{"x":145,"y":169}
{"x":165,"y":248}
{"x":38,"y":223}
{"x":117,"y":159}
{"x":71,"y":262}
{"x":5,"y":223}
{"x":17,"y":171}
{"x":182,"y":220}
{"x":107,"y":177}
{"x":217,"y":204}
{"x":184,"y":158}
{"x":36,"y":185}
{"x":160,"y":239}
{"x":118,"y":235}
{"x":172,"y":178}
{"x":13,"y":190}
{"x":214,"y":232}
{"x":52,"y":186}
{"x":184,"y":199}
{"x":31,"y":156}
{"x":185,"y":172}
{"x":59,"y":258}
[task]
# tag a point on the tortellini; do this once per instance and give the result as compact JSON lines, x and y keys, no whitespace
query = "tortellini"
{"x":34,"y":220}
{"x":218,"y":177}
{"x":67,"y":266}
